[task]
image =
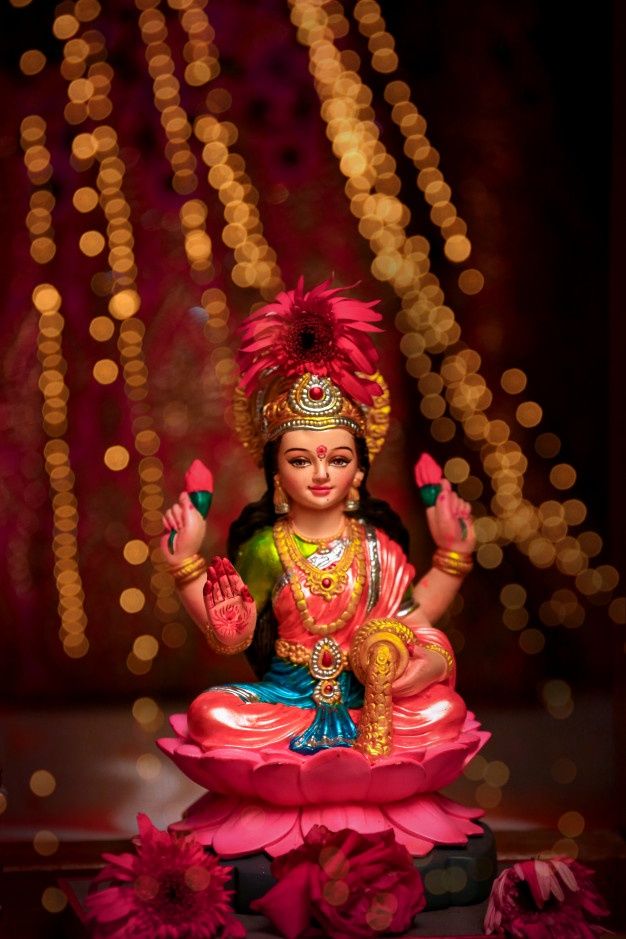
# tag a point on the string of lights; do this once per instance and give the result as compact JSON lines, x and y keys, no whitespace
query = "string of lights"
{"x":89,"y":79}
{"x":429,"y":326}
{"x":417,"y":146}
{"x":47,"y":301}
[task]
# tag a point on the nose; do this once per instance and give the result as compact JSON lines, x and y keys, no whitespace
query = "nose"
{"x":320,"y":471}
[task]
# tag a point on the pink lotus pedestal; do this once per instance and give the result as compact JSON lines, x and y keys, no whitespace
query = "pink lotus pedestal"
{"x":267,"y":800}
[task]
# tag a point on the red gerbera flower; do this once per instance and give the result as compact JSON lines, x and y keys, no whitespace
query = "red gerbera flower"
{"x":317,"y":332}
{"x":170,"y":889}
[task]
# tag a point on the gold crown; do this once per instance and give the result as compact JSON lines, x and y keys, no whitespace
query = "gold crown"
{"x":311,"y":402}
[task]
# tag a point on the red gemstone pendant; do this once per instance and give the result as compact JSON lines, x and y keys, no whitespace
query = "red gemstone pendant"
{"x":316,"y":393}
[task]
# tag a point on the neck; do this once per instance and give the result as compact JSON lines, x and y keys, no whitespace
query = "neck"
{"x":314,"y":525}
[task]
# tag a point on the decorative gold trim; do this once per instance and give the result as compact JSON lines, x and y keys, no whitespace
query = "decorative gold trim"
{"x":279,"y":406}
{"x":298,"y":654}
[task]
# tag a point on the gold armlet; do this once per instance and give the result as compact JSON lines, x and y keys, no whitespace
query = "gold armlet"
{"x":221,"y":648}
{"x":452,"y":562}
{"x":191,"y":568}
{"x":435,"y":647}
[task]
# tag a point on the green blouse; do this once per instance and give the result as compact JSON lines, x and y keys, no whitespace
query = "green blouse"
{"x":259,"y":565}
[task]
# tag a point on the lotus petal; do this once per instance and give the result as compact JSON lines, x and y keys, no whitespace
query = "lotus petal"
{"x":278,"y":783}
{"x":293,"y":839}
{"x":423,"y":817}
{"x":336,"y":775}
{"x":395,"y":779}
{"x":252,"y":827}
{"x":363,"y":818}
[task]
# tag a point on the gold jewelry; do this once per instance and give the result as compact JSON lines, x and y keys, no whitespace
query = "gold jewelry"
{"x":320,"y":542}
{"x":325,"y":661}
{"x":324,"y":583}
{"x":353,"y":501}
{"x":435,"y":647}
{"x":191,"y":569}
{"x":452,"y":562}
{"x":322,"y":629}
{"x":281,"y":506}
{"x":310,"y":402}
{"x":298,"y":654}
{"x":220,"y":647}
{"x":378,"y":655}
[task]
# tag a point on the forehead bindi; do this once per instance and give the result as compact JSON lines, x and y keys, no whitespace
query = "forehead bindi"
{"x":321,"y":452}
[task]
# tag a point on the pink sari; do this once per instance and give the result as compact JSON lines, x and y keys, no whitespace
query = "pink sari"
{"x":229,"y":715}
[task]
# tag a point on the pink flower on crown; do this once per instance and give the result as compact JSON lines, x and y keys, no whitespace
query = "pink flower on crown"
{"x":170,"y":889}
{"x":318,"y":332}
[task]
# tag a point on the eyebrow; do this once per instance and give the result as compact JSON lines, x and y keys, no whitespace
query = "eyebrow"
{"x":304,"y":449}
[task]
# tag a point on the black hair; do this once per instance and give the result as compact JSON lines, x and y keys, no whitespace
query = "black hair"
{"x":260,"y":514}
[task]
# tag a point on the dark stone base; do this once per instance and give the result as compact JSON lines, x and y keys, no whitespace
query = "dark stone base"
{"x":453,"y":876}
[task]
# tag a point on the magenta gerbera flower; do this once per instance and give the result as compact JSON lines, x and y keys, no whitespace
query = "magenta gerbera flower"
{"x":318,"y":332}
{"x":170,"y":889}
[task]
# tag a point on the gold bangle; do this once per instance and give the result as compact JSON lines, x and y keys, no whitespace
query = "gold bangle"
{"x":452,"y":562}
{"x":223,"y":649}
{"x":435,"y":647}
{"x":191,"y":568}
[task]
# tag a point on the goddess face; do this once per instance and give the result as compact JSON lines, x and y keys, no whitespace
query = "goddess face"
{"x":317,"y":467}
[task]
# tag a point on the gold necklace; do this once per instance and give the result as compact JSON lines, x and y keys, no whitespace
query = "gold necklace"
{"x":286,"y":548}
{"x":322,"y":543}
{"x":325,"y":583}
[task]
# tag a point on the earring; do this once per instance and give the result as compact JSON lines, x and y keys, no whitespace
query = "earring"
{"x":353,"y":502}
{"x":281,"y":506}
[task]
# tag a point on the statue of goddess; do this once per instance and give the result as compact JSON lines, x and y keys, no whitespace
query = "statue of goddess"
{"x":355,"y":710}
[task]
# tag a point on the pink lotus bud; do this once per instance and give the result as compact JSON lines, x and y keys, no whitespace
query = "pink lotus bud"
{"x":427,"y":471}
{"x":198,"y":478}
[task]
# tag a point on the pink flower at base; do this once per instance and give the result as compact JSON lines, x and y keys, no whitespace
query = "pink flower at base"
{"x":545,"y":899}
{"x":352,"y":885}
{"x":170,"y":889}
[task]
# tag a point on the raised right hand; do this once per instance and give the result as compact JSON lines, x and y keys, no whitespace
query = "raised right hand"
{"x":230,"y":607}
{"x":190,"y":529}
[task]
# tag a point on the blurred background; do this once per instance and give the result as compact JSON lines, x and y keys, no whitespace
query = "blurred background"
{"x":167,"y":166}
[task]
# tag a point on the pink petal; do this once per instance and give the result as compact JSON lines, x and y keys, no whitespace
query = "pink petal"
{"x":278,"y":782}
{"x":417,"y":847}
{"x":458,"y":810}
{"x":293,"y":839}
{"x":355,"y":355}
{"x":111,"y":904}
{"x":427,"y":471}
{"x":392,"y":781}
{"x":347,"y":771}
{"x":252,"y":828}
{"x":179,"y":724}
{"x":421,"y":816}
{"x":443,"y":766}
{"x":365,"y":819}
{"x":198,"y":478}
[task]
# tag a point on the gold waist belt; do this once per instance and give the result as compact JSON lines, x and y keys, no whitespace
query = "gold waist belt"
{"x":298,"y":654}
